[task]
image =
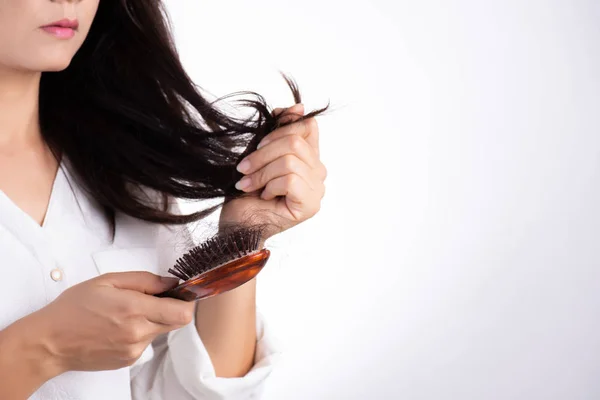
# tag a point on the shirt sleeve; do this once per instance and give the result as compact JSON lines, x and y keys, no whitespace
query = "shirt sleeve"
{"x":177,"y":364}
{"x":180,"y":368}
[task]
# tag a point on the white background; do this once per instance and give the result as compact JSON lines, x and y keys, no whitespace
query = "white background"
{"x":456,"y":254}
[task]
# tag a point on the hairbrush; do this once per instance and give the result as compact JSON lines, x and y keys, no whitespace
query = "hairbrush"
{"x":222,"y":263}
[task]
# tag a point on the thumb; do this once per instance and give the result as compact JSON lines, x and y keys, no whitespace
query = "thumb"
{"x":140,"y":281}
{"x":277,"y":111}
{"x":289,"y":114}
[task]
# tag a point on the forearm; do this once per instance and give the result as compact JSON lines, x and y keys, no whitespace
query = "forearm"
{"x":226,"y":324}
{"x":24,"y":365}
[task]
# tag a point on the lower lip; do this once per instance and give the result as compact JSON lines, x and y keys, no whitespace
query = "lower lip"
{"x":60,"y":32}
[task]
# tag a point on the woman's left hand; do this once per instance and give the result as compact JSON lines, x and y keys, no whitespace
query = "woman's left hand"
{"x":285,"y":173}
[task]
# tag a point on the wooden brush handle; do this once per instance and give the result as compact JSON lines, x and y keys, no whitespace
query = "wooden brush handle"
{"x":221,"y":279}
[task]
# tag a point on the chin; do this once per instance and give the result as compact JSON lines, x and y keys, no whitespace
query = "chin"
{"x":53,"y":65}
{"x":56,"y":67}
{"x":52,"y":61}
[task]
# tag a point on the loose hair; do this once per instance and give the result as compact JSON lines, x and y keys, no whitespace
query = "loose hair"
{"x":127,"y":116}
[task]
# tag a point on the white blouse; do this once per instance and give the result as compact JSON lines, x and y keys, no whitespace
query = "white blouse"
{"x":74,"y":244}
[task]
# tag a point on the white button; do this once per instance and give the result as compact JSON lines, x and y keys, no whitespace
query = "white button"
{"x":56,"y":274}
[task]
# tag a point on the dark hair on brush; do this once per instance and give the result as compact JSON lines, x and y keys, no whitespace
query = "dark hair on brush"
{"x":127,"y":116}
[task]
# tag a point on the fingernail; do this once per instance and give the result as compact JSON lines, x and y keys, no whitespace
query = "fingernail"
{"x":262,"y":143}
{"x":243,"y":183}
{"x":244,"y":166}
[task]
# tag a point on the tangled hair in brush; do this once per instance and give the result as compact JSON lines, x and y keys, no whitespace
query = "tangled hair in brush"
{"x":226,"y":245}
{"x":127,"y":116}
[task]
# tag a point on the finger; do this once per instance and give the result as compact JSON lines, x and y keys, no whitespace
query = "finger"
{"x":282,"y":111}
{"x":292,"y":114}
{"x":283,"y":165}
{"x":145,"y":331}
{"x":167,"y":311}
{"x":140,"y":281}
{"x":291,"y":144}
{"x":153,"y":329}
{"x":277,"y":111}
{"x":287,"y":115}
{"x":301,"y":201}
{"x":308,"y":129}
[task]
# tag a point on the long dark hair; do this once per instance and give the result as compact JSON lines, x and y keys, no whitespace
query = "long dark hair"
{"x":127,"y":116}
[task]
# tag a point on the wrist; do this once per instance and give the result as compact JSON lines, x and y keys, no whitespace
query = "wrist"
{"x":28,"y":349}
{"x":227,"y":224}
{"x":24,"y":365}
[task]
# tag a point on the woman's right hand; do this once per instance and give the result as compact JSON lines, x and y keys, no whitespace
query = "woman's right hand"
{"x":107,"y":322}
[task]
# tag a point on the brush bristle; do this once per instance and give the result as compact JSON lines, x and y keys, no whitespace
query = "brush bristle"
{"x":218,"y":250}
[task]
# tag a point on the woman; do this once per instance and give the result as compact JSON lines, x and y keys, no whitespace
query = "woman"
{"x":98,"y":137}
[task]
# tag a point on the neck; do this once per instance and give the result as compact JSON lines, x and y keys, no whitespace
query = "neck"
{"x":19,"y":111}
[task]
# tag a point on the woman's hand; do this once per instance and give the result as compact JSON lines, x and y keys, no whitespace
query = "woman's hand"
{"x":107,"y":322}
{"x":285,"y":172}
